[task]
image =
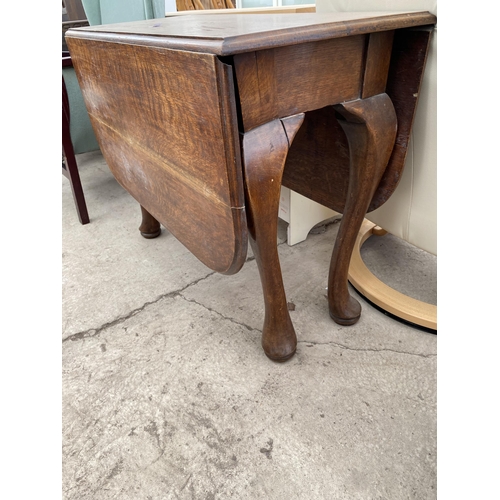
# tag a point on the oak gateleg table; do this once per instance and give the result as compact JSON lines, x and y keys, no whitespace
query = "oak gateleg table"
{"x":203,"y":118}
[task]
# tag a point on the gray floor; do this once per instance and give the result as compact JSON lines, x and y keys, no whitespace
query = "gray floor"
{"x":167,"y":393}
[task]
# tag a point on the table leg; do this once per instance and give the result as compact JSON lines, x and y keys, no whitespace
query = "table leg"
{"x":265,"y":149}
{"x":370,"y":126}
{"x":150,"y":227}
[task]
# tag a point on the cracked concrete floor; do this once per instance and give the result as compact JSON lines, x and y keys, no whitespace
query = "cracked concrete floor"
{"x":167,"y":393}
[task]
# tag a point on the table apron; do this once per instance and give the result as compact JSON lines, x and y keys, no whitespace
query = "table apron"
{"x":285,"y":81}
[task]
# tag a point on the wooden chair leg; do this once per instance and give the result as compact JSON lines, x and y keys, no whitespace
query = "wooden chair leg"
{"x":71,"y":172}
{"x":70,"y":168}
{"x":390,"y":300}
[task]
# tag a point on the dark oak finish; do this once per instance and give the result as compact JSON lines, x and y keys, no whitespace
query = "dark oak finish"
{"x":320,"y":151}
{"x":370,"y":126}
{"x":69,"y":166}
{"x":202,"y":118}
{"x":406,"y":71}
{"x":264,"y":153}
{"x":173,"y":147}
{"x":150,"y":228}
{"x":225,"y":35}
{"x":378,"y":58}
{"x":280,"y":82}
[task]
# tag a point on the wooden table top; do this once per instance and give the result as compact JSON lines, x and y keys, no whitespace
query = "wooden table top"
{"x":222,"y":35}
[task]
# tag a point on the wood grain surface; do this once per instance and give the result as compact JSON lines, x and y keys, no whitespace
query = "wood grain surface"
{"x":406,"y":71}
{"x":370,"y":126}
{"x":320,"y":151}
{"x":264,"y":152}
{"x":166,"y":124}
{"x":281,"y":82}
{"x":227,"y":35}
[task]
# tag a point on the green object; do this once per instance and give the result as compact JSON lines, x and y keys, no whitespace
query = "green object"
{"x":82,"y":134}
{"x":120,"y":11}
{"x":102,"y":12}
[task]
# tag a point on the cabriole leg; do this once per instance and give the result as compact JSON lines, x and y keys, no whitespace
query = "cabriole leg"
{"x":264,"y":153}
{"x":150,"y":227}
{"x":370,"y":126}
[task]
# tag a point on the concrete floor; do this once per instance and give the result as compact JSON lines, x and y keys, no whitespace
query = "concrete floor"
{"x":167,"y":393}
